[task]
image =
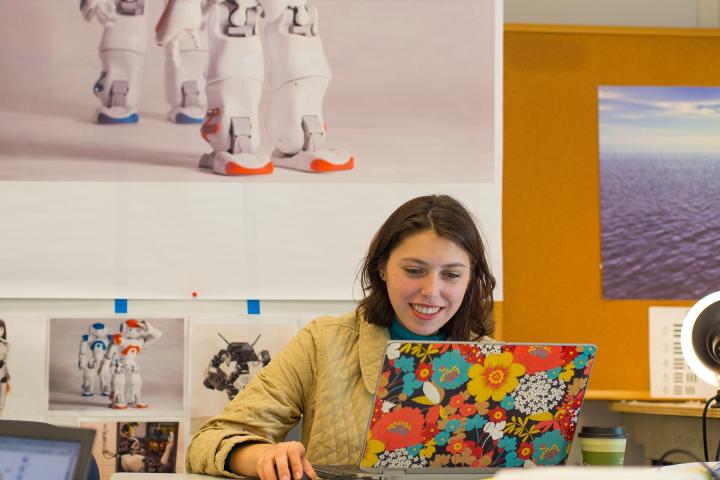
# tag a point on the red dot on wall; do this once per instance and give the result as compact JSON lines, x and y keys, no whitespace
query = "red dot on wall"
{"x":194,"y":294}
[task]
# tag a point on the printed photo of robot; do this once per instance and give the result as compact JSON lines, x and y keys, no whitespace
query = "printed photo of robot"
{"x":359,"y":91}
{"x":137,"y":447}
{"x":226,"y":352}
{"x":120,"y":364}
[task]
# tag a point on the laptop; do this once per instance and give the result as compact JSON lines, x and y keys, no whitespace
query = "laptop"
{"x":40,"y":451}
{"x":457,"y":409}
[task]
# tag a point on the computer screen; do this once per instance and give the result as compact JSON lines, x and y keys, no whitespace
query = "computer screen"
{"x":37,"y":459}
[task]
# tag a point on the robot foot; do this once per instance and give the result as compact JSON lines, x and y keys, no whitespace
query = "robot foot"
{"x":118,"y":406}
{"x":320,"y":161}
{"x":224,"y":163}
{"x":139,"y":405}
{"x":87,"y":394}
{"x":116,"y":115}
{"x":186,"y":115}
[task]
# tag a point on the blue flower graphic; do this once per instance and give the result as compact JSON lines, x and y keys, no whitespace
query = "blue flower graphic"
{"x":508,"y":403}
{"x":511,"y":460}
{"x":581,"y":361}
{"x":452,"y":425}
{"x":442,"y":438}
{"x":414,"y":449}
{"x":410,"y":383}
{"x":475,"y":423}
{"x":554,"y":373}
{"x":450,"y":370}
{"x":589,"y":350}
{"x":406,"y":364}
{"x":550,"y":448}
{"x":509,"y":444}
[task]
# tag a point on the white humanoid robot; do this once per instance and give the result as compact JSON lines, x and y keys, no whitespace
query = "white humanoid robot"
{"x":91,"y":360}
{"x":299,"y":75}
{"x":123,"y":355}
{"x":122,"y":51}
{"x":4,"y":373}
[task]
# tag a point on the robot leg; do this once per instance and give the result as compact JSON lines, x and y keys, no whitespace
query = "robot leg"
{"x":105,"y":377}
{"x":234,"y":87}
{"x":185,"y":67}
{"x":135,"y":388}
{"x":89,"y":379}
{"x":121,"y":51}
{"x":117,"y":396}
{"x":300,"y":76}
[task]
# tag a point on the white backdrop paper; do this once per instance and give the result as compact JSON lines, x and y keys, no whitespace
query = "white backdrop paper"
{"x":101,"y":212}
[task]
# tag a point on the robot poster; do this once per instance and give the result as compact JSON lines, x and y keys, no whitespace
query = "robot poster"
{"x":407,"y":88}
{"x":137,"y":447}
{"x":116,"y":364}
{"x":226,"y":354}
{"x":22,"y":352}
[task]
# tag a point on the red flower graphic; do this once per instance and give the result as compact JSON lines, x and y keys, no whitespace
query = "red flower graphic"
{"x":525,"y":451}
{"x":400,"y":428}
{"x":538,"y":358}
{"x":424,"y":372}
{"x":497,"y":414}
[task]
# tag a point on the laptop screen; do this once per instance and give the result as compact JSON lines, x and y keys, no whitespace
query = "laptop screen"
{"x":37,"y":459}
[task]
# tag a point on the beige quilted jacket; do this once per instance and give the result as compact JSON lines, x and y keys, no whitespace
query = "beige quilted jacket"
{"x":327,"y":374}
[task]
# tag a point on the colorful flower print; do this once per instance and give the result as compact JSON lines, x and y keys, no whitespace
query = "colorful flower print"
{"x":400,"y":459}
{"x":372,"y":448}
{"x":497,"y":414}
{"x":424,"y":372}
{"x":410,"y":383}
{"x":538,"y":393}
{"x":450,"y":370}
{"x":415,"y":449}
{"x":455,"y":445}
{"x":512,"y":460}
{"x":400,"y":428}
{"x":495,"y":430}
{"x":525,"y":450}
{"x":431,"y":431}
{"x":467,"y":409}
{"x":457,"y":400}
{"x":509,"y":444}
{"x":569,"y":354}
{"x":508,"y":403}
{"x":393,"y":351}
{"x":475,"y":423}
{"x":495,"y":378}
{"x":453,"y":425}
{"x":581,"y":361}
{"x":442,"y":438}
{"x":537,"y":358}
{"x":550,"y":448}
{"x":406,"y":364}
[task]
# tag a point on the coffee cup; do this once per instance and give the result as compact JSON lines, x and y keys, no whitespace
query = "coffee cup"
{"x":603,"y":445}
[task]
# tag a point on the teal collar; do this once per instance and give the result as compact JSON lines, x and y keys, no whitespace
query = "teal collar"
{"x":399,"y":332}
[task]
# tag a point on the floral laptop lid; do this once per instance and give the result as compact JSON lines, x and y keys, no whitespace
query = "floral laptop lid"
{"x":476,"y":405}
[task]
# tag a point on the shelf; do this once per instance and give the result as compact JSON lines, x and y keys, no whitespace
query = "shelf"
{"x":678,"y":409}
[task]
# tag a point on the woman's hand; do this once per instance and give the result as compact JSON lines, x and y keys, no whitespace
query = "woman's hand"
{"x":280,"y":461}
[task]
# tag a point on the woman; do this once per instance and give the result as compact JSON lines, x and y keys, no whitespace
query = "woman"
{"x":4,"y":373}
{"x":425,"y":277}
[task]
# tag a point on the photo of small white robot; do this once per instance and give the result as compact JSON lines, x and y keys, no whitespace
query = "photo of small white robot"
{"x":92,"y":362}
{"x":122,"y":53}
{"x":234,"y":366}
{"x":148,"y":447}
{"x":5,"y":387}
{"x":123,"y":356}
{"x":118,"y":364}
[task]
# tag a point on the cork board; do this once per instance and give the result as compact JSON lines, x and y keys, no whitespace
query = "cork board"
{"x":551,"y":199}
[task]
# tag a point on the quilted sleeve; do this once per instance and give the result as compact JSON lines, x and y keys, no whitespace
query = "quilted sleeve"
{"x":263,"y":412}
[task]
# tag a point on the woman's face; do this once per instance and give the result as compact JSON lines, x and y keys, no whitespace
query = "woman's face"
{"x":426,"y":277}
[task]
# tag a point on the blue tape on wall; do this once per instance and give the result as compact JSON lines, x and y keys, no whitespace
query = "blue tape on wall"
{"x":253,"y":307}
{"x":121,"y":305}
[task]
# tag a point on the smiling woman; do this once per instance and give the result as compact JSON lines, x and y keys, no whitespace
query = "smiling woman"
{"x":425,"y":276}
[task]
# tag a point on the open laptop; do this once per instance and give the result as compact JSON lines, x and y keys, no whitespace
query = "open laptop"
{"x":39,"y":451}
{"x":452,"y":409}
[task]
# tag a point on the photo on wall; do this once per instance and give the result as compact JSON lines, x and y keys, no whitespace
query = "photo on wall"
{"x":659,"y":191}
{"x":23,"y":390}
{"x":226,"y":353}
{"x":137,"y":446}
{"x":396,"y":84}
{"x":128,"y":366}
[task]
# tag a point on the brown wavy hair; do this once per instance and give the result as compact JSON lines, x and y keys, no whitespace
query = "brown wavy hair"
{"x":449,"y":219}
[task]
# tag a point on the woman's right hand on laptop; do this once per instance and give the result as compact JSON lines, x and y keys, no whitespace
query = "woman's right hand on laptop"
{"x":280,"y":461}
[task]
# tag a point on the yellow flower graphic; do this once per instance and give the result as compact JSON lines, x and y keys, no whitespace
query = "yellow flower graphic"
{"x":371,"y":450}
{"x":495,"y":378}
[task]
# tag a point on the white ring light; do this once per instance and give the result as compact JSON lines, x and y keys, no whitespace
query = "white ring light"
{"x":700,"y":338}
